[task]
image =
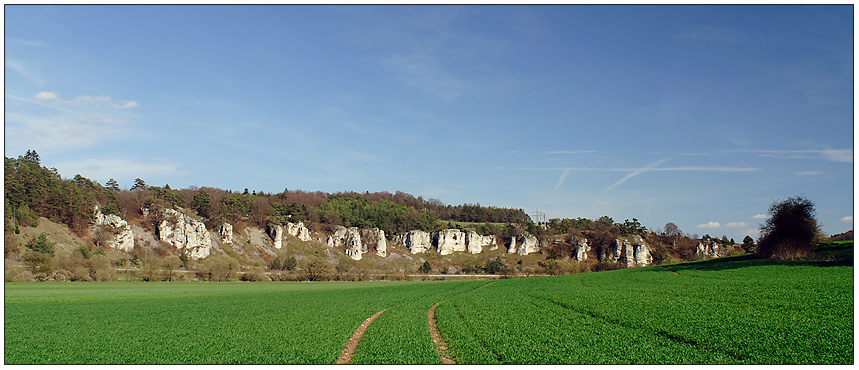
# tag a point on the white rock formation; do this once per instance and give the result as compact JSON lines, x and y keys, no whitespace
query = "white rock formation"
{"x":527,"y":244}
{"x":512,"y":248}
{"x":449,"y":241}
{"x":630,"y":253}
{"x":475,"y":242}
{"x":417,"y":241}
{"x":184,"y":232}
{"x":376,"y":239}
{"x":709,"y":250}
{"x":275,"y":232}
{"x":582,"y":249}
{"x":226,"y":233}
{"x":123,"y":239}
{"x":298,"y":230}
{"x":349,"y":238}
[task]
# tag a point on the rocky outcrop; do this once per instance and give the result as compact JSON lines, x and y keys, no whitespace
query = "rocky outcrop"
{"x":226,"y":233}
{"x":582,"y":249}
{"x":449,"y":240}
{"x":475,"y":242}
{"x":120,"y":237}
{"x":374,"y":238}
{"x":275,"y":232}
{"x":357,"y":242}
{"x":632,"y":252}
{"x":417,"y":241}
{"x":709,"y":249}
{"x":298,"y":230}
{"x":523,"y":244}
{"x":185,"y":233}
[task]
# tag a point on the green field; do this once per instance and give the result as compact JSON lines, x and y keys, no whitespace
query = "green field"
{"x":734,"y":310}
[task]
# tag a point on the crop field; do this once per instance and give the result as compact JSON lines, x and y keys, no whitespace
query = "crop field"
{"x":736,"y":310}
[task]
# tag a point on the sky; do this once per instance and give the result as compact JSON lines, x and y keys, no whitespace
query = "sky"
{"x":698,"y":115}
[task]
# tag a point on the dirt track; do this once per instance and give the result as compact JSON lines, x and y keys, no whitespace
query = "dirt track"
{"x":347,"y":353}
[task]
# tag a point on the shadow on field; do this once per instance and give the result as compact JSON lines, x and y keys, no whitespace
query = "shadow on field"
{"x":826,"y":255}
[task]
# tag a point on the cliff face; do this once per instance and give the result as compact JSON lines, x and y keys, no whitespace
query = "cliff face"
{"x":709,"y":249}
{"x":119,"y":235}
{"x":357,"y":242}
{"x":523,"y":244}
{"x":185,"y":233}
{"x":632,"y":252}
{"x":582,"y":249}
{"x":417,"y":241}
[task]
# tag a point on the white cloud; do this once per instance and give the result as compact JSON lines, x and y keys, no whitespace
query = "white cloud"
{"x":709,"y":225}
{"x":759,"y":216}
{"x":125,"y":105}
{"x":754,"y":233}
{"x":736,"y":224}
{"x":59,"y":132}
{"x":848,"y":219}
{"x":90,"y":100}
{"x":46,"y":95}
{"x":838,"y":155}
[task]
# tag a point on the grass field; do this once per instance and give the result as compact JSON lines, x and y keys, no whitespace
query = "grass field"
{"x":733,"y":310}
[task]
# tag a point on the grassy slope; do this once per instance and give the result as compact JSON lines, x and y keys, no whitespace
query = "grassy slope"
{"x":733,"y":310}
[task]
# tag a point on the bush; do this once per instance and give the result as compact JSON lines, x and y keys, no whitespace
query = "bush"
{"x":791,"y":231}
{"x":15,"y":273}
{"x":315,"y":269}
{"x":219,"y":268}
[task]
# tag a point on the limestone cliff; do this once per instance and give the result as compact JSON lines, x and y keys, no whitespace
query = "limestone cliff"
{"x":523,"y":245}
{"x":632,"y":252}
{"x":417,"y":241}
{"x":582,"y":249}
{"x":185,"y":233}
{"x":357,"y":242}
{"x":709,"y":249}
{"x":119,"y":235}
{"x":449,"y":241}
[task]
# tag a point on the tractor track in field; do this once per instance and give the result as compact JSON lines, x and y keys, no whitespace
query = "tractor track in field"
{"x":349,"y":350}
{"x":440,"y":344}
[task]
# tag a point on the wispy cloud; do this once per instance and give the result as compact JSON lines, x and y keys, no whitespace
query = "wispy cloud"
{"x":426,"y":73}
{"x":35,"y":78}
{"x":104,"y":169}
{"x":736,"y":224}
{"x":759,"y":216}
{"x":847,"y":219}
{"x":85,"y":100}
{"x":571,"y":152}
{"x":561,"y":179}
{"x":637,"y":172}
{"x":24,"y":42}
{"x":709,"y":225}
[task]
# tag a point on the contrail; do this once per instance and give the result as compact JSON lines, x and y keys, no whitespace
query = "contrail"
{"x":563,"y":176}
{"x":636,"y":172}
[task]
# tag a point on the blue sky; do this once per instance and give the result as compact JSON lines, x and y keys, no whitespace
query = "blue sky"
{"x":697,"y":115}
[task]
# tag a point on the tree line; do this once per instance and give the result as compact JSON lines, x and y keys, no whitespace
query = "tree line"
{"x":33,"y":190}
